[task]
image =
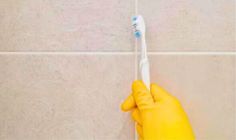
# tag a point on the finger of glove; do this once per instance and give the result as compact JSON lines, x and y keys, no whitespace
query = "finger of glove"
{"x":142,"y":96}
{"x":139,"y":129}
{"x":159,"y":93}
{"x":140,"y":138}
{"x":136,"y":116}
{"x":129,"y":103}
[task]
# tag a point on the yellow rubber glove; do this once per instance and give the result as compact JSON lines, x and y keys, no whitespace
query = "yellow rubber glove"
{"x":159,"y":115}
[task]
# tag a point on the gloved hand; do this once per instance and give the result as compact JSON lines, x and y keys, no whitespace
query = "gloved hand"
{"x":159,"y":115}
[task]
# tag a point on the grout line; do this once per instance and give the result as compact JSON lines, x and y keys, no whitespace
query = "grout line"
{"x":117,"y":53}
{"x":136,"y":7}
{"x":136,"y":47}
{"x":66,"y":53}
{"x":191,"y":53}
{"x":136,"y":54}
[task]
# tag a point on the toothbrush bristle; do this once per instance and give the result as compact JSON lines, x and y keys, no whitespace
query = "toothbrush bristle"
{"x":137,"y":34}
{"x":136,"y":25}
{"x":134,"y":18}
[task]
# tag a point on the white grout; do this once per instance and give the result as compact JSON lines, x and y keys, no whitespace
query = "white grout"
{"x":136,"y":47}
{"x":116,"y":53}
{"x":192,"y":53}
{"x":136,"y":7}
{"x":136,"y":54}
{"x":66,"y":53}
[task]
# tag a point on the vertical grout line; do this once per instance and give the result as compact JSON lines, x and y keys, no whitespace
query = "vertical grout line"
{"x":136,"y":7}
{"x":136,"y":65}
{"x":136,"y":47}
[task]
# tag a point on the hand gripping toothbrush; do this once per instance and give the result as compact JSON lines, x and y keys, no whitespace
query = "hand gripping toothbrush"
{"x":139,"y":32}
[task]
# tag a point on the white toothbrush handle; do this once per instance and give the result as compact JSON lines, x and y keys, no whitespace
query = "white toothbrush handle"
{"x":145,"y":75}
{"x":145,"y":72}
{"x":139,"y":25}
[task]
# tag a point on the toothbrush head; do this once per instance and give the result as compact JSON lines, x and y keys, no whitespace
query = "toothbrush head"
{"x":139,"y":26}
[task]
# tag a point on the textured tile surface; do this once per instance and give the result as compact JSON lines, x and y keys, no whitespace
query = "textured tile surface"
{"x":61,"y":25}
{"x":206,"y":87}
{"x":189,"y":25}
{"x":60,"y":97}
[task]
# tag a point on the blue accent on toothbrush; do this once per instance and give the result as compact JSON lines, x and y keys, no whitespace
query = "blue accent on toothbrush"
{"x":137,"y":34}
{"x":134,"y":18}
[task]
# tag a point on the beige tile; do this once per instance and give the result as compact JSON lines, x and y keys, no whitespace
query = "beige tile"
{"x":189,"y":25}
{"x":206,"y":86}
{"x":61,"y":25}
{"x":62,"y":97}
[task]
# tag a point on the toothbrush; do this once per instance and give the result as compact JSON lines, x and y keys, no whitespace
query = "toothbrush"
{"x":139,"y":32}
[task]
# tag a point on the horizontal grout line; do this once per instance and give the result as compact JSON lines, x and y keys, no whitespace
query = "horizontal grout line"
{"x":116,"y":53}
{"x":66,"y":53}
{"x":191,"y":53}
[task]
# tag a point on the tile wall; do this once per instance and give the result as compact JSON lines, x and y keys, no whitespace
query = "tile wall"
{"x":65,"y":66}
